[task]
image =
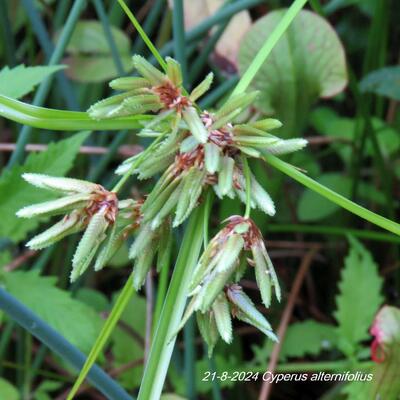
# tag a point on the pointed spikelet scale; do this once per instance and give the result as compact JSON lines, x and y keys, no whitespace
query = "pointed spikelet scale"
{"x":174,"y":72}
{"x":247,"y":312}
{"x":191,"y":191}
{"x":223,"y":318}
{"x":188,"y":144}
{"x":136,"y":105}
{"x":240,"y":101}
{"x":202,"y":87}
{"x":129,"y":83}
{"x":164,"y":245}
{"x":195,"y":124}
{"x":255,"y":141}
{"x":84,"y":264}
{"x":203,"y":266}
{"x":105,"y":107}
{"x":272,"y":272}
{"x":262,"y":275}
{"x":249,"y":151}
{"x":142,"y":240}
{"x":91,"y":239}
{"x":208,"y":330}
{"x":226,"y":119}
{"x":212,"y":286}
{"x":67,"y":226}
{"x":108,"y":249}
{"x":225,"y":176}
{"x":142,"y":266}
{"x":230,"y":252}
{"x":286,"y":146}
{"x":158,"y":196}
{"x":152,"y":74}
{"x":261,"y":197}
{"x":54,"y":207}
{"x":267,"y":124}
{"x":167,"y":207}
{"x":212,"y":156}
{"x":60,"y":185}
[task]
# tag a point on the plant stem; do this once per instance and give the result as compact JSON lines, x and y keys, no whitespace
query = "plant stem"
{"x":269,"y":44}
{"x":331,"y":195}
{"x":143,"y":34}
{"x":179,"y":37}
{"x":101,"y":12}
{"x":163,"y":343}
{"x":246,"y":171}
{"x":334,"y":230}
{"x":60,"y":120}
{"x":44,"y":87}
{"x":52,"y":339}
{"x":104,"y":334}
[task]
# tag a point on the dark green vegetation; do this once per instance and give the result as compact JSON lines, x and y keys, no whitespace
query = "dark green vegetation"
{"x":339,"y":90}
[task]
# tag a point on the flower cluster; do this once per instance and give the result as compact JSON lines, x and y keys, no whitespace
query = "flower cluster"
{"x":193,"y":150}
{"x":216,"y":294}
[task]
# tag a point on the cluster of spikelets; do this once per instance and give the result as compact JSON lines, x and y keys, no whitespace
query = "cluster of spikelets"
{"x":192,"y":150}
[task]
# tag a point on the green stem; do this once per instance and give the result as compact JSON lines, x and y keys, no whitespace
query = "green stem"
{"x":179,"y":37}
{"x":269,"y":44}
{"x":334,"y":230}
{"x":101,"y":12}
{"x":163,"y":344}
{"x":105,"y":333}
{"x":331,"y":195}
{"x":60,"y":120}
{"x":246,"y":171}
{"x":143,"y":34}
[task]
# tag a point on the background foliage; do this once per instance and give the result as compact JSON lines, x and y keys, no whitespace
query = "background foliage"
{"x":333,"y":78}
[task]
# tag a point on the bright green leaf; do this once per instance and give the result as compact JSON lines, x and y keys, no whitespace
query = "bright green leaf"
{"x":359,"y":297}
{"x":8,"y":391}
{"x":21,"y":80}
{"x":15,"y":193}
{"x":73,"y":319}
{"x":308,"y":62}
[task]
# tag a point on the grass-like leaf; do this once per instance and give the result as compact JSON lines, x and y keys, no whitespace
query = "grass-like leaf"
{"x":60,"y":120}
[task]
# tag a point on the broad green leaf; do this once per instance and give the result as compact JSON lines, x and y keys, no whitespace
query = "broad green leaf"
{"x":302,"y":338}
{"x":358,"y":299}
{"x":311,"y":207}
{"x":94,"y":299}
{"x":308,"y":62}
{"x":8,"y":391}
{"x":21,"y":80}
{"x":90,"y":57}
{"x":384,"y":81}
{"x":15,"y":193}
{"x":76,"y":321}
{"x":126,"y":347}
